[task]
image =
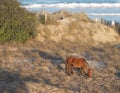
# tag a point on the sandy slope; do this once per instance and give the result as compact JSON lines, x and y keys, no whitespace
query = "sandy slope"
{"x":39,"y":66}
{"x":76,"y":27}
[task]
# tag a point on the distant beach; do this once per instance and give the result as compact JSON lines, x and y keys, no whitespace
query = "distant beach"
{"x":108,"y":10}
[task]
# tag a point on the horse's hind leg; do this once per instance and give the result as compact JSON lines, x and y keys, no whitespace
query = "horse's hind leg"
{"x":71,"y":69}
{"x":68,"y":69}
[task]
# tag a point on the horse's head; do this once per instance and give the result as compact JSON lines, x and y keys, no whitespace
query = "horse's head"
{"x":89,"y":73}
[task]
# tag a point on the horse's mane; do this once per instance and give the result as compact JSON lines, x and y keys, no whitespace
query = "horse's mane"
{"x":85,"y":62}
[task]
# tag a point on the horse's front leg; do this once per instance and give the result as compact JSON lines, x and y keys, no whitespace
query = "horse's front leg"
{"x":79,"y":71}
{"x":82,"y":71}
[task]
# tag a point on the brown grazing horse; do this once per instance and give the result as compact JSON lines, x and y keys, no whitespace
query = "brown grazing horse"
{"x":75,"y":62}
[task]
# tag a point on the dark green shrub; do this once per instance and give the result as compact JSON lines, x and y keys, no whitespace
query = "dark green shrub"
{"x":16,"y":23}
{"x":118,"y":29}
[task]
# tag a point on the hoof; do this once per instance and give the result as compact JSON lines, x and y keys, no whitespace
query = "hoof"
{"x":68,"y":73}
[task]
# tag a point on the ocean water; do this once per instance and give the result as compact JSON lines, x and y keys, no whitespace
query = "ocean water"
{"x":107,"y":9}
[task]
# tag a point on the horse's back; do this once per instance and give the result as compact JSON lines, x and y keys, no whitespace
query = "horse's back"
{"x":75,"y":61}
{"x":78,"y":62}
{"x":69,"y":59}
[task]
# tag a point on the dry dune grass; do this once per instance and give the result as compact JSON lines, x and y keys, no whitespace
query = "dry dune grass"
{"x":74,"y":27}
{"x":38,"y":66}
{"x":41,"y":69}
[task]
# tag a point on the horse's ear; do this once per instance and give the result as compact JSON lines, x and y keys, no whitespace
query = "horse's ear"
{"x":83,"y":58}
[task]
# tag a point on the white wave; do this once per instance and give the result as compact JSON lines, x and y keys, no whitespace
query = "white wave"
{"x":75,"y":5}
{"x":104,"y":14}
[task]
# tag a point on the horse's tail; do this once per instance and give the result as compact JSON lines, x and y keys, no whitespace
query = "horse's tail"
{"x":67,"y":64}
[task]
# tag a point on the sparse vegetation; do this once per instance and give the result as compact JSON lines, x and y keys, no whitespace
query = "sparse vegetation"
{"x":38,"y":66}
{"x":35,"y":63}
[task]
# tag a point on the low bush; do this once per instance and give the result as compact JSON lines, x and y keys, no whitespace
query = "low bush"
{"x":16,"y":23}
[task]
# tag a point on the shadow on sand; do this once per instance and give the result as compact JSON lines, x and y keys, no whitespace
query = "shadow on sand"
{"x":56,"y":59}
{"x":13,"y":82}
{"x":117,"y":75}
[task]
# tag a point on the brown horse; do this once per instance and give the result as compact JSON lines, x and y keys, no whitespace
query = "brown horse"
{"x":75,"y":62}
